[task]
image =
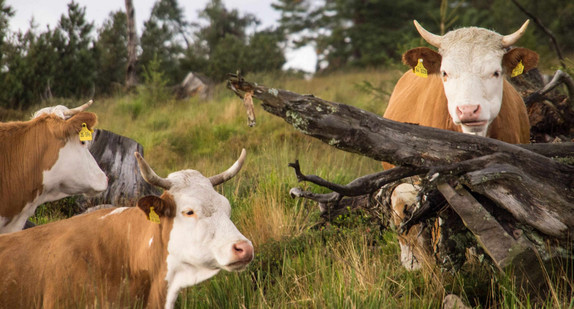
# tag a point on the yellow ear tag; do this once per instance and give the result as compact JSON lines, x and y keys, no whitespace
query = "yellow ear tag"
{"x":153,"y":217}
{"x":85,"y":134}
{"x":420,"y":70}
{"x":518,"y":69}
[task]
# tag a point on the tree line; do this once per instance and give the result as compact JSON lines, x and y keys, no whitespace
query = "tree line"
{"x":76,"y":60}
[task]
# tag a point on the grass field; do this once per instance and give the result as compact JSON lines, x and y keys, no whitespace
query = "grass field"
{"x":349,"y":263}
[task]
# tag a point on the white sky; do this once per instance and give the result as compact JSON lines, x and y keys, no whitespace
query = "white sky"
{"x":48,"y":12}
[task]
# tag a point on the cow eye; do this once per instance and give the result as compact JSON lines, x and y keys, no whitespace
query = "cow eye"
{"x":444,"y":74}
{"x":188,"y":213}
{"x":496,"y":74}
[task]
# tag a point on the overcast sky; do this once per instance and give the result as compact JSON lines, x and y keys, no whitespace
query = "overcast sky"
{"x":48,"y":12}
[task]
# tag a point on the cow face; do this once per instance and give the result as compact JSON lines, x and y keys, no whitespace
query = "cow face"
{"x":471,"y":62}
{"x":75,"y":170}
{"x":203,"y":239}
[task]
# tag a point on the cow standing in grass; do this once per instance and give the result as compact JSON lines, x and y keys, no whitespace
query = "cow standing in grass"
{"x":459,"y":88}
{"x":43,"y":160}
{"x":128,"y":256}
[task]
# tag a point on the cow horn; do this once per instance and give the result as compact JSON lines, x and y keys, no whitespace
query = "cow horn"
{"x":510,"y":39}
{"x":229,"y":173}
{"x":432,"y":39}
{"x":81,"y":108}
{"x":149,"y":175}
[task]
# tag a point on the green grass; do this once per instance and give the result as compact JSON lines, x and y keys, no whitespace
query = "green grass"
{"x":350,"y":263}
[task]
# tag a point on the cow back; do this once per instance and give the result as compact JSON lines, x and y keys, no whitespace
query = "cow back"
{"x":113,"y":256}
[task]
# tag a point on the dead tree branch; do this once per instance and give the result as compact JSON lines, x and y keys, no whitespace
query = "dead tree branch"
{"x":539,"y":23}
{"x":538,"y":191}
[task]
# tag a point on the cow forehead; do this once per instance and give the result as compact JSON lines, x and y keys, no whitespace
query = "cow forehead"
{"x":191,"y":189}
{"x":472,"y":41}
{"x":58,"y":110}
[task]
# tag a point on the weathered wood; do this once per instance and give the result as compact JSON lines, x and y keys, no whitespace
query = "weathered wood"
{"x":499,"y":245}
{"x":509,"y":252}
{"x":115,"y":156}
{"x":537,"y":190}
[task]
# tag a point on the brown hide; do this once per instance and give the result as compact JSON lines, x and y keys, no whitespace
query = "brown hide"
{"x":93,"y":260}
{"x":28,"y":148}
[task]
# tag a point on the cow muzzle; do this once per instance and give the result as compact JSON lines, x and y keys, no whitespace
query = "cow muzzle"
{"x":242,"y":255}
{"x":470,"y":115}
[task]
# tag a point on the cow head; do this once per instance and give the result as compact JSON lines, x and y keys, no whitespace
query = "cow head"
{"x":471,"y":62}
{"x":202,"y":237}
{"x":75,"y":170}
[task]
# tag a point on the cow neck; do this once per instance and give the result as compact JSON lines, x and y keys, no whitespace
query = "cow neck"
{"x":28,"y":149}
{"x":149,"y":252}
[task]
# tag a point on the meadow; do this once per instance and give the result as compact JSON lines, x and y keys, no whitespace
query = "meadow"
{"x":301,"y":261}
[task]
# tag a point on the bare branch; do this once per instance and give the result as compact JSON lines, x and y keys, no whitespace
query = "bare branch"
{"x":545,"y":30}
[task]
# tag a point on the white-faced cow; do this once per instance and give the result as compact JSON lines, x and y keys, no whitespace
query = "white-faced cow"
{"x":459,"y":88}
{"x":43,"y":160}
{"x":129,"y":256}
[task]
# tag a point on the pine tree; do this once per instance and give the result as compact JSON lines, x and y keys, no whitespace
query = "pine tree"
{"x":112,"y":53}
{"x":75,"y":72}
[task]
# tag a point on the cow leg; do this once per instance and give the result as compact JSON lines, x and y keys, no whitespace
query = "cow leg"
{"x":415,"y":243}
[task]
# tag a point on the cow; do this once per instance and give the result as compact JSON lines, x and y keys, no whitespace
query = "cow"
{"x":43,"y":160}
{"x":127,"y":256}
{"x":460,"y":88}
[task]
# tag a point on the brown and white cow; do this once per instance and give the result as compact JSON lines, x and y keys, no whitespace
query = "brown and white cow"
{"x":43,"y":160}
{"x":459,"y":88}
{"x":128,"y":256}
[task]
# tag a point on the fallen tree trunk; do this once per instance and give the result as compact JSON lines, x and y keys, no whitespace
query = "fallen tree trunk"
{"x":525,"y":180}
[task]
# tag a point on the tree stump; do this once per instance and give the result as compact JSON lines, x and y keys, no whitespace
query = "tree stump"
{"x":115,"y":156}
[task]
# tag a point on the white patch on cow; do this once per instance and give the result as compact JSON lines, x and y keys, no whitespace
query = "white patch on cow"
{"x":408,"y":259}
{"x":472,"y":63}
{"x":116,"y":211}
{"x":17,"y":222}
{"x":150,"y":242}
{"x":75,"y":172}
{"x":405,"y":195}
{"x":185,"y":275}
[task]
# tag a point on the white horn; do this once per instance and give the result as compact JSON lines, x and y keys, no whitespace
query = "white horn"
{"x":81,"y":108}
{"x":230,"y":172}
{"x":149,"y":175}
{"x":432,"y":39}
{"x":510,"y":39}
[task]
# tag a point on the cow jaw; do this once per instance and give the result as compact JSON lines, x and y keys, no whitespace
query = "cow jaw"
{"x":75,"y":172}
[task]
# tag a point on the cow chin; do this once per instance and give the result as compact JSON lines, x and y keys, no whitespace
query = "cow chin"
{"x":236,"y":266}
{"x":479,"y":130}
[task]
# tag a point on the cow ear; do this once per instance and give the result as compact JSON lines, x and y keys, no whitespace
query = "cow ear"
{"x":431,"y":59}
{"x":513,"y":57}
{"x":161,"y":207}
{"x":74,"y":124}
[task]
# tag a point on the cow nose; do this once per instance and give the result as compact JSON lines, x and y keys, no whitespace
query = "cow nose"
{"x":468,"y":113}
{"x":243,"y":251}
